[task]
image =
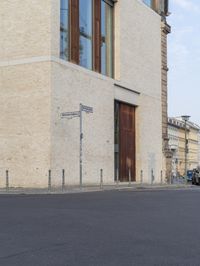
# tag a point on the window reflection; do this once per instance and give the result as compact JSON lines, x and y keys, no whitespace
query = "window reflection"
{"x":64,"y":29}
{"x":106,"y":39}
{"x":85,"y":27}
{"x":148,"y":2}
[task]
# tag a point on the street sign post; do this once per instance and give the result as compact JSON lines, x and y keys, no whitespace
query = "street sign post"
{"x":86,"y":109}
{"x":70,"y":115}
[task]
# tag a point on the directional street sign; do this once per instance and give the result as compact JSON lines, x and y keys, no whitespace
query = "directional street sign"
{"x":69,"y":115}
{"x":86,"y":108}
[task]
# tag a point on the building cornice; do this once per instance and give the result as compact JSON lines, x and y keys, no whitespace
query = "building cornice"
{"x":166,"y":28}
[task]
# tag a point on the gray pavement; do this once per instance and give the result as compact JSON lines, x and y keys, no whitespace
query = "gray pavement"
{"x":126,"y":227}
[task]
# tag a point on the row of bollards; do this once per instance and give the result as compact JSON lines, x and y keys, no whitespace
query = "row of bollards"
{"x":63,"y":184}
{"x":141,"y":177}
{"x":63,"y":180}
{"x":49,"y":180}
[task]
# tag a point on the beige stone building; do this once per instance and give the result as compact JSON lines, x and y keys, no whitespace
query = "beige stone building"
{"x":176,"y":129}
{"x":108,"y":55}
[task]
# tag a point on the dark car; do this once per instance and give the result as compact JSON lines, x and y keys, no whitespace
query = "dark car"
{"x":196,"y":177}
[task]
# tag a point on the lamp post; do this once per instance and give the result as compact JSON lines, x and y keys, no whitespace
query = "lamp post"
{"x":186,"y":118}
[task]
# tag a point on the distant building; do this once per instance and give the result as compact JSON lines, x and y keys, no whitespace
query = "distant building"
{"x":176,"y":133}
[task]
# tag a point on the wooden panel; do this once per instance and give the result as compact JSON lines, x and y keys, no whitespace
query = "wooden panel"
{"x":97,"y":35}
{"x":74,"y":31}
{"x":155,"y":5}
{"x":127,"y":142}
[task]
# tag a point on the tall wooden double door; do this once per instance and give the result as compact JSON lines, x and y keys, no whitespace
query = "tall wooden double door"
{"x":125,"y":141}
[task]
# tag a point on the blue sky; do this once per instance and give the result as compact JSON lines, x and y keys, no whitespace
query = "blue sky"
{"x":184,"y":59}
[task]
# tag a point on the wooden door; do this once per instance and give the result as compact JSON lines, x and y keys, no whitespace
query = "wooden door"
{"x":126,"y":142}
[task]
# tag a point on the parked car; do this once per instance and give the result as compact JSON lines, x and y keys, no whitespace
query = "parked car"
{"x":196,"y":177}
{"x":189,"y":175}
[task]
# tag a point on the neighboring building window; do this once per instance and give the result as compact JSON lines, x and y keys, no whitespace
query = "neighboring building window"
{"x":160,"y":6}
{"x":88,"y":41}
{"x":64,"y":38}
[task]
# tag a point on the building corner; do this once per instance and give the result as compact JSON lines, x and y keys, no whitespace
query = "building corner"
{"x":167,"y":154}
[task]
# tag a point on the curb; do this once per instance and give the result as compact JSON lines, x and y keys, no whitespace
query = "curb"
{"x":88,"y":189}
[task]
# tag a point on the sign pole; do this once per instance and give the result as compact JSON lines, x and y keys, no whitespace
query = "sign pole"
{"x":81,"y":145}
{"x":69,"y":115}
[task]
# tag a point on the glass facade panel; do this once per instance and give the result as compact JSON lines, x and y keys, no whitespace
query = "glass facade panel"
{"x":85,"y":27}
{"x":85,"y":52}
{"x":106,"y":39}
{"x":64,"y":29}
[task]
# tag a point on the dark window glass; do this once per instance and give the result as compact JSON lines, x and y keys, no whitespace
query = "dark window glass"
{"x":64,"y":34}
{"x":85,"y":26}
{"x":106,"y":39}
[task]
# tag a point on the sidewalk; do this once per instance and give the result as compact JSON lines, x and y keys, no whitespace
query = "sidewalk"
{"x":95,"y":188}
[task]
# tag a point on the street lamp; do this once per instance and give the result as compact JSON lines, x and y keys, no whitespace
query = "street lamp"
{"x":186,"y":118}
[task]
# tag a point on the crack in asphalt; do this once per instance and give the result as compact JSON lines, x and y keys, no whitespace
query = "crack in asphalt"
{"x":54,"y":246}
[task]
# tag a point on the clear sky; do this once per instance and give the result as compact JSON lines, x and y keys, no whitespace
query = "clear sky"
{"x":184,"y":59}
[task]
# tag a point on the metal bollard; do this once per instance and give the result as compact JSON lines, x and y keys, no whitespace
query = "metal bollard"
{"x":129,"y":177}
{"x":117,"y":177}
{"x":170,"y":179}
{"x":161,"y":177}
{"x":7,"y":180}
{"x":63,"y":179}
{"x":152,"y":177}
{"x":49,"y":181}
{"x":101,"y":178}
{"x":141,"y":177}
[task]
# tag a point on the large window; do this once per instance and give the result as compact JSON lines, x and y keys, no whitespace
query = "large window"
{"x":86,"y":34}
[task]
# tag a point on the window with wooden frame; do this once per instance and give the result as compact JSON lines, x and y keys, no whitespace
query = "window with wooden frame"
{"x":86,"y":34}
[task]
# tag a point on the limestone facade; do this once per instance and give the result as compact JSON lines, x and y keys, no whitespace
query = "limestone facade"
{"x":36,"y":86}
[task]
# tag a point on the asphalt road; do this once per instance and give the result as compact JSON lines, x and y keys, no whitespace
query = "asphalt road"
{"x":102,"y":228}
